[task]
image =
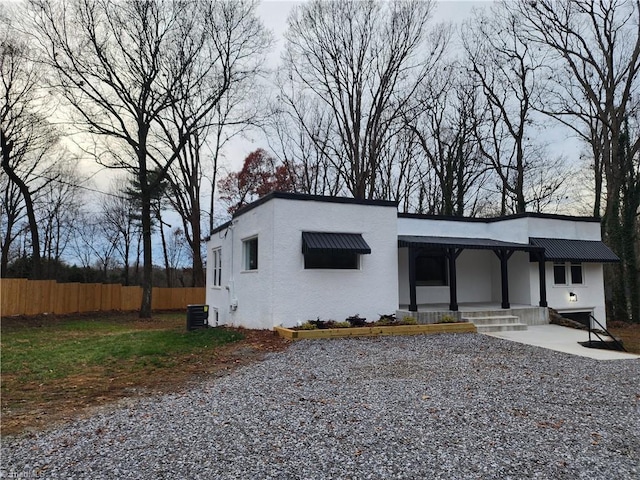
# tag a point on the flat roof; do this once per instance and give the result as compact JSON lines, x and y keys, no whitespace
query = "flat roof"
{"x":461,"y":242}
{"x":313,"y":198}
{"x":305,"y":198}
{"x":549,"y":216}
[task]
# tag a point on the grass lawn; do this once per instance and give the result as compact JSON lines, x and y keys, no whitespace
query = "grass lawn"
{"x":53,"y":368}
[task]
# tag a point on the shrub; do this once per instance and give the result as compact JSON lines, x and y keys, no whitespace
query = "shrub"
{"x":308,"y":325}
{"x":356,"y":321}
{"x":344,"y":324}
{"x":408,"y":321}
{"x":448,"y":319}
{"x":386,"y":320}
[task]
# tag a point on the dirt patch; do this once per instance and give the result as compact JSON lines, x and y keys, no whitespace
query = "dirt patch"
{"x":629,"y":333}
{"x":49,"y":320}
{"x":43,"y":406}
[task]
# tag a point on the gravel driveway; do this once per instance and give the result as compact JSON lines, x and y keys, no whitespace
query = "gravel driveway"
{"x":441,"y":406}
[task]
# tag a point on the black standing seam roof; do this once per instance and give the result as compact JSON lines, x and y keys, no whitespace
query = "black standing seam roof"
{"x":460,"y":242}
{"x":563,"y":250}
{"x":334,"y":242}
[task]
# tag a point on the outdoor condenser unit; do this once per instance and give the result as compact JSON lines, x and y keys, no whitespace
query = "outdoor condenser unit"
{"x":197,"y":316}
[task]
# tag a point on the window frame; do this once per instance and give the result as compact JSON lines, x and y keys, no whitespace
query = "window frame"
{"x":559,"y":267}
{"x":573,"y":265}
{"x":247,"y":251}
{"x":216,"y":270}
{"x":568,"y":273}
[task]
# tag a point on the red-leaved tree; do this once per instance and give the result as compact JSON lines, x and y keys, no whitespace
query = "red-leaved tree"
{"x":260,"y":175}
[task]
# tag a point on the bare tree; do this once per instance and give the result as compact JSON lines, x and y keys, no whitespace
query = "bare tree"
{"x":175,"y":253}
{"x":11,"y":217}
{"x":58,"y":210}
{"x":26,"y":137}
{"x":597,"y":49}
{"x":360,"y":63}
{"x":118,"y":216}
{"x":511,"y":74}
{"x":401,"y":169}
{"x":444,"y":121}
{"x":122,"y":65}
{"x":227,"y":22}
{"x":299,"y":134}
{"x":94,"y":245}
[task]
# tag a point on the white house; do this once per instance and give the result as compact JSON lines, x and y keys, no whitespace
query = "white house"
{"x":288,"y":258}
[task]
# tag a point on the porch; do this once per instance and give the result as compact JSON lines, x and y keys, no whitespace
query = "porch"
{"x":480,"y":313}
{"x":479,"y":267}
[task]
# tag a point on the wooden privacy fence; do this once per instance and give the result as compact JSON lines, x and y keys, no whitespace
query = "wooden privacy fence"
{"x":32,"y":297}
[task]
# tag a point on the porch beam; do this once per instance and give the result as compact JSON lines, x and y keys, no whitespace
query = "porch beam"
{"x":452,"y":254}
{"x":413,"y":303}
{"x":504,"y":256}
{"x":543,"y":280}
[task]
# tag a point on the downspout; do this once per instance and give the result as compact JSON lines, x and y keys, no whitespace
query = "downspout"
{"x":231,"y":286}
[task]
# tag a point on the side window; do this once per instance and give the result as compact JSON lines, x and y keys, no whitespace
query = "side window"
{"x":431,"y":270}
{"x":559,"y":274}
{"x":576,"y":274}
{"x":250,"y":253}
{"x":567,"y":274}
{"x":216,"y":267}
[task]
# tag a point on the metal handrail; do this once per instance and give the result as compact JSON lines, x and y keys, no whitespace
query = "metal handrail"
{"x":615,"y":340}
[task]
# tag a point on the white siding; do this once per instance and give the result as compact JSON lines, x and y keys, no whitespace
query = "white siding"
{"x":590,"y":293}
{"x":281,"y":291}
{"x":334,"y":294}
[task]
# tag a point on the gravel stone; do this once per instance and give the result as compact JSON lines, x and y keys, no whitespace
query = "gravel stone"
{"x":442,"y":406}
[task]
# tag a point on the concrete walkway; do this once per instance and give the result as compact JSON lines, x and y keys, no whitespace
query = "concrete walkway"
{"x":562,"y":339}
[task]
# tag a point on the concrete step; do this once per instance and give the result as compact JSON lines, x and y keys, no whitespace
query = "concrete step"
{"x":496,"y":323}
{"x":492,"y":320}
{"x":505,"y":327}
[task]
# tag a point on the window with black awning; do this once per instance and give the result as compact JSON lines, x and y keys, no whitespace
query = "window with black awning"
{"x":331,"y":250}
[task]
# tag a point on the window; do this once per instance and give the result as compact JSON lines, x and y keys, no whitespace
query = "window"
{"x":340,"y":260}
{"x":333,"y":250}
{"x":250,"y":253}
{"x":559,"y":274}
{"x":567,"y":274}
{"x":576,"y":274}
{"x":216,"y":267}
{"x":431,"y":270}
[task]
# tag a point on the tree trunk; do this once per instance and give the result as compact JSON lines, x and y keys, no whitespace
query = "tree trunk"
{"x":6,"y":243}
{"x":165,"y":254}
{"x":36,"y":268}
{"x":197,"y":264}
{"x":147,"y":259}
{"x":127,"y":247}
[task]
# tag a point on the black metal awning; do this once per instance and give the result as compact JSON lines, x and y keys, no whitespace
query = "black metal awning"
{"x":334,"y":242}
{"x":563,"y":250}
{"x":464,"y":243}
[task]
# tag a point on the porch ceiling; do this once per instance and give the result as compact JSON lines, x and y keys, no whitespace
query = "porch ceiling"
{"x":465,"y":243}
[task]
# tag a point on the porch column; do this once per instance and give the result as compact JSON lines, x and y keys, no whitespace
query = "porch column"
{"x":452,"y":254}
{"x":504,"y":256}
{"x":543,"y":280}
{"x":413,"y":304}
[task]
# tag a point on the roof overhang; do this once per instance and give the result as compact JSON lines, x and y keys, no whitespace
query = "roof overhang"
{"x":420,"y":241}
{"x":563,"y":250}
{"x":330,"y":242}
